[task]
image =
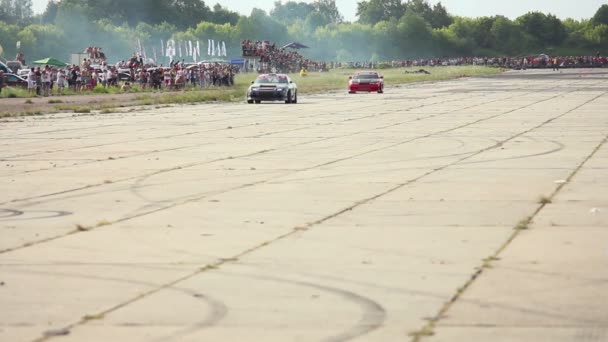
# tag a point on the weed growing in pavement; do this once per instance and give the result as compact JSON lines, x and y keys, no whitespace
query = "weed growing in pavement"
{"x":544,"y":200}
{"x":424,"y":332}
{"x":487,"y":262}
{"x":524,"y":224}
{"x":103,"y":223}
{"x":93,"y":317}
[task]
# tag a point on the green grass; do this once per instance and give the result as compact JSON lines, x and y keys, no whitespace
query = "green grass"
{"x":10,"y":92}
{"x":73,"y":108}
{"x":338,"y":79}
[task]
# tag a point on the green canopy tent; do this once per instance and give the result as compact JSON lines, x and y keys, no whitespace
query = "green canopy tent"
{"x":51,"y":61}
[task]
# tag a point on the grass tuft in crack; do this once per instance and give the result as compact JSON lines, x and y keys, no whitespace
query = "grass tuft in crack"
{"x":524,"y":224}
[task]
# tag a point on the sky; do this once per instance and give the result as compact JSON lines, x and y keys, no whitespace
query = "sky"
{"x":577,"y":9}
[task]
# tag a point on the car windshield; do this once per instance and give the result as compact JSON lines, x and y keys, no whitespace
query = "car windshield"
{"x":366,"y":77}
{"x":271,"y":79}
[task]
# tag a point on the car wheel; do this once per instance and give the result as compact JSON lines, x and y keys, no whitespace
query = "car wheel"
{"x":258,"y":101}
{"x":288,"y":100}
{"x":380,"y":90}
{"x":351,"y":92}
{"x":295,"y":98}
{"x":250,"y":101}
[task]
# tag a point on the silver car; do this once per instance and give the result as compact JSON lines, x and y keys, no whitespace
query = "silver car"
{"x":272,"y":87}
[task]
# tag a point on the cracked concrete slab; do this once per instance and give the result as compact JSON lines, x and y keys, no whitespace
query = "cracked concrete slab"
{"x":363,"y":218}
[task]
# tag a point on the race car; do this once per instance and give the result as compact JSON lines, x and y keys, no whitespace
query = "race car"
{"x":366,"y":81}
{"x":272,"y":87}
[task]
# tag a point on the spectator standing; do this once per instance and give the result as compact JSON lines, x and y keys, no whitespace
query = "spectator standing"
{"x":46,"y":82}
{"x":108,"y":77}
{"x":53,"y":73}
{"x":38,"y":74}
{"x":61,"y":78}
{"x":31,"y":81}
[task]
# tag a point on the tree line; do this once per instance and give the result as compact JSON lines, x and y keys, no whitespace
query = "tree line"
{"x":384,"y":29}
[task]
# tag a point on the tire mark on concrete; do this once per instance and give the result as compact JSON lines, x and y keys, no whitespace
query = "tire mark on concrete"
{"x":419,"y":336}
{"x":372,"y":317}
{"x":9,"y":213}
{"x":192,"y":199}
{"x":300,"y":229}
{"x":218,"y":309}
{"x":290,"y":146}
{"x":18,"y":215}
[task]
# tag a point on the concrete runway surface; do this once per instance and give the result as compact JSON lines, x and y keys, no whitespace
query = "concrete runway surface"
{"x":469,"y":210}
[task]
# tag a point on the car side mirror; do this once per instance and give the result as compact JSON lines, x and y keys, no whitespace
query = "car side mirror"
{"x":350,"y":77}
{"x":252,"y":82}
{"x":290,"y":81}
{"x":381,"y":76}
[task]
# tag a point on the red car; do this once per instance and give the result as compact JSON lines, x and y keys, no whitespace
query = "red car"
{"x":366,"y":81}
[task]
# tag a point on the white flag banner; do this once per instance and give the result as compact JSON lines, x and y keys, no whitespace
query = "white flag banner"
{"x":197,"y":48}
{"x":162,"y":47}
{"x":208,"y":47}
{"x":224,"y":49}
{"x":18,"y":45}
{"x":196,"y":51}
{"x":180,"y":49}
{"x":219,"y":49}
{"x":189,"y":48}
{"x":170,"y":50}
{"x":212,"y":47}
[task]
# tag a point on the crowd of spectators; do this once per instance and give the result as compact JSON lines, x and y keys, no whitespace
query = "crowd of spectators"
{"x":48,"y":80}
{"x":275,"y":59}
{"x":524,"y":62}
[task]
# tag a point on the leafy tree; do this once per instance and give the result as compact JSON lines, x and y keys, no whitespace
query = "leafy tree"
{"x":547,"y":30}
{"x":416,"y":35}
{"x":329,"y":10}
{"x":183,"y":13}
{"x":507,"y":37}
{"x":16,"y":11}
{"x":374,"y":11}
{"x":386,"y":34}
{"x":291,"y":11}
{"x":50,"y":13}
{"x":440,"y":17}
{"x":481,"y":30}
{"x":601,"y":16}
{"x":222,"y":15}
{"x":260,"y":26}
{"x":9,"y":32}
{"x":598,"y":35}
